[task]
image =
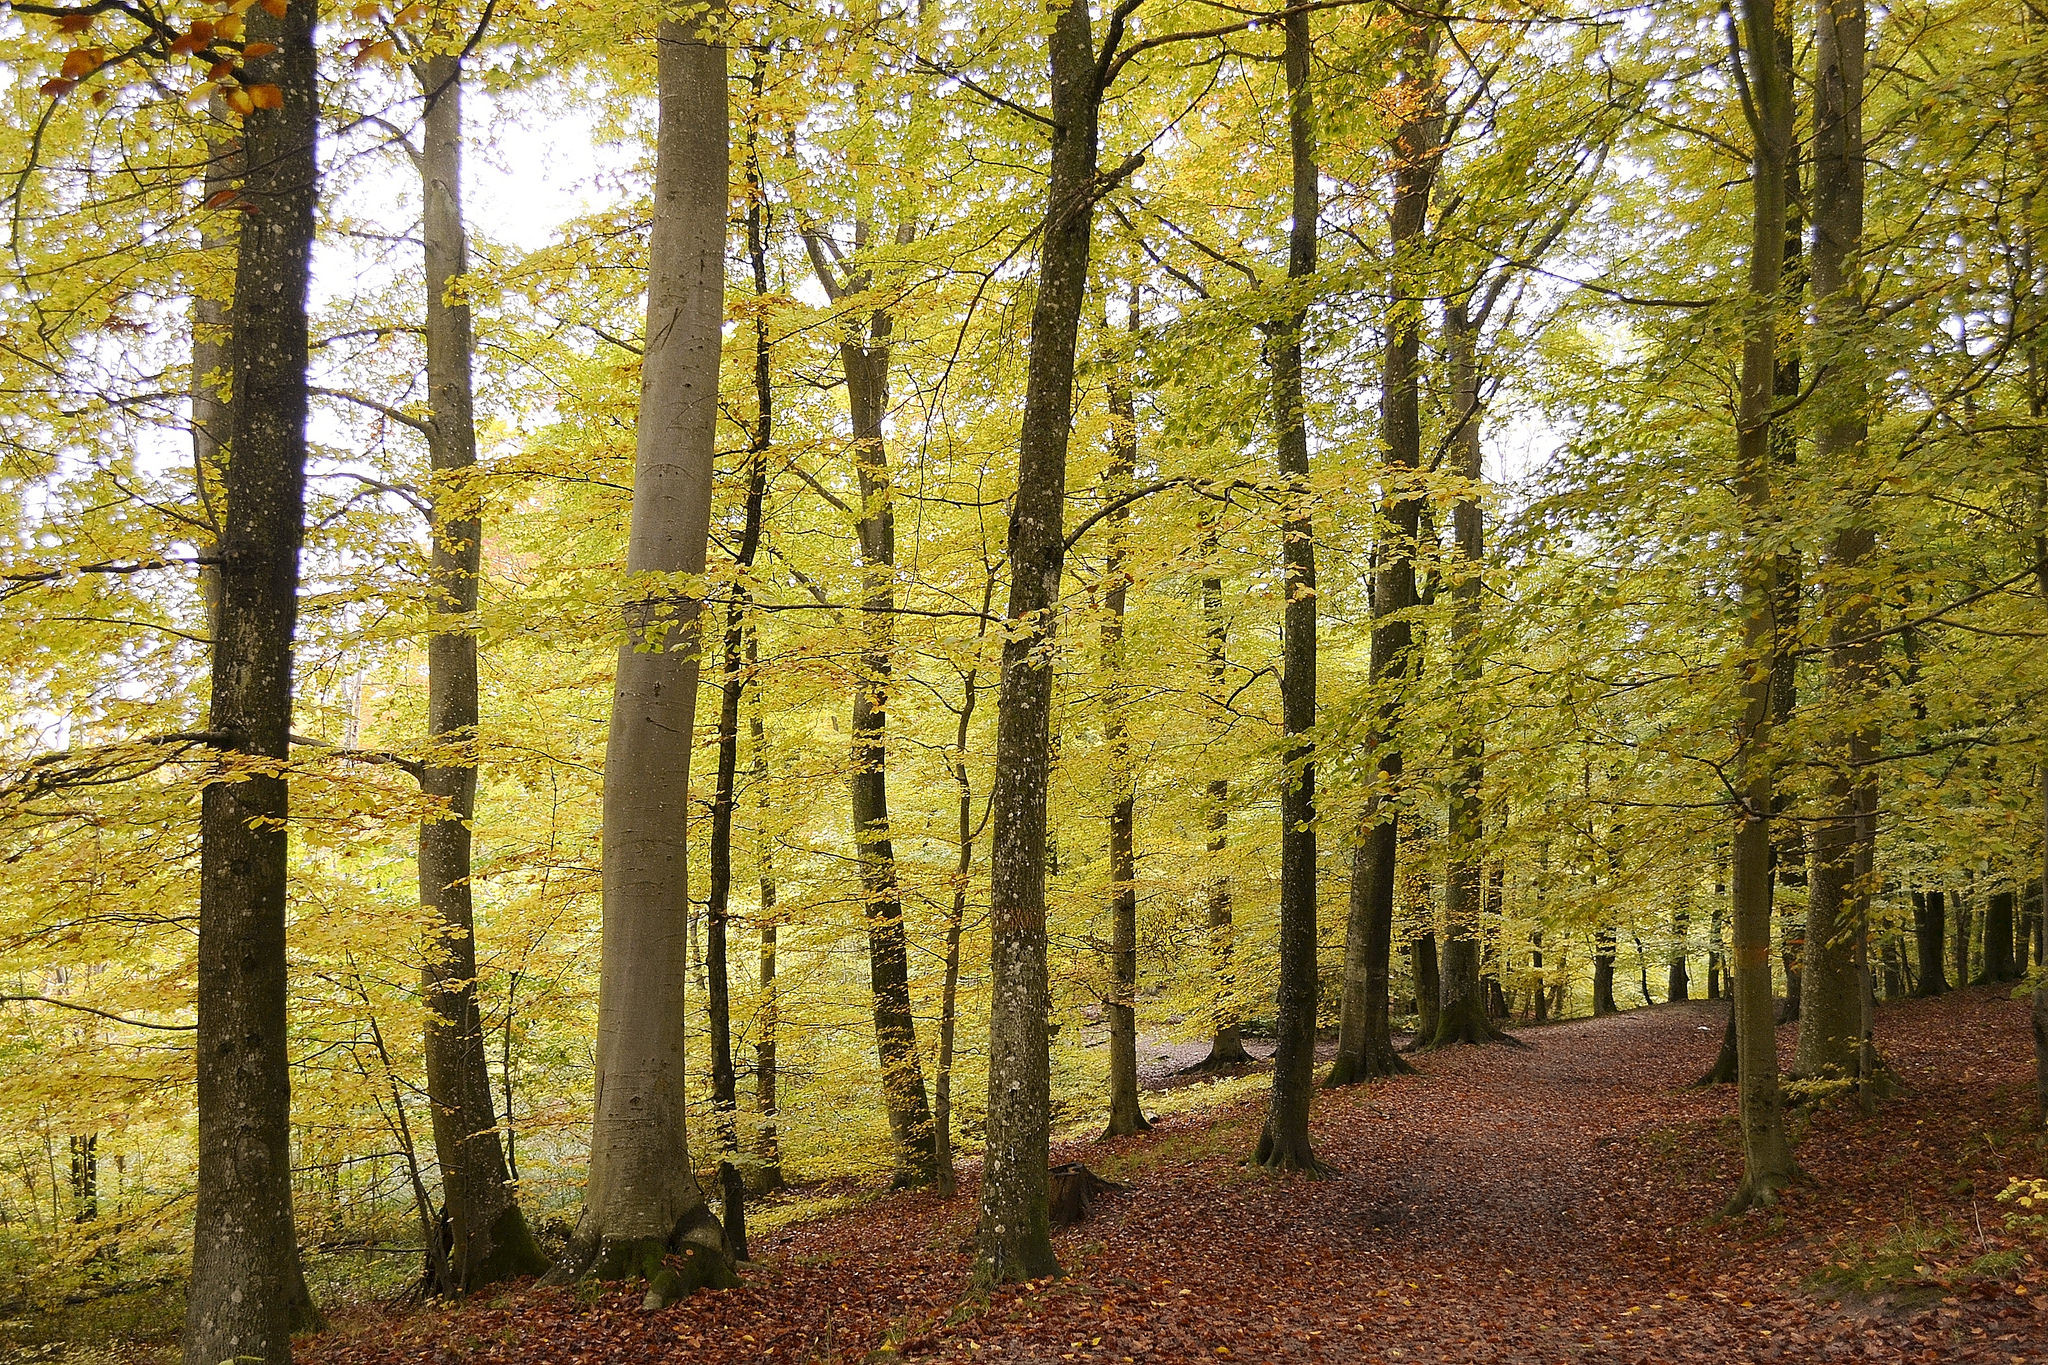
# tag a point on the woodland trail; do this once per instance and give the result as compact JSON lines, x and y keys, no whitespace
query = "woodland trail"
{"x":1553,"y":1204}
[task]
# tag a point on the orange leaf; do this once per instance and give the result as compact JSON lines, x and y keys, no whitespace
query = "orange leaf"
{"x":221,"y":71}
{"x":382,"y":51}
{"x":57,"y":86}
{"x":82,"y":61}
{"x":255,"y":50}
{"x":74,"y":23}
{"x":220,"y":199}
{"x":365,"y":12}
{"x":276,"y":8}
{"x":266,"y":96}
{"x":239,"y":101}
{"x":229,"y":28}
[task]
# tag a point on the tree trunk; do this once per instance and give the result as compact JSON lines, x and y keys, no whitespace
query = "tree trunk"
{"x":1678,"y":980}
{"x":1226,"y":1044}
{"x":1964,"y":932}
{"x":245,"y":1279}
{"x":1539,"y":994}
{"x":642,"y":1203}
{"x":1429,"y":984}
{"x":1462,"y":1015}
{"x":1998,"y":924}
{"x":1767,"y":1154}
{"x":768,"y":1014}
{"x":1013,"y":1242}
{"x":1603,"y":971}
{"x":1364,"y":1049}
{"x":1284,"y":1142}
{"x":1929,"y":933}
{"x":1715,"y":967}
{"x":963,"y":863}
{"x":488,"y":1237}
{"x":1125,"y":1114}
{"x":1830,"y":1028}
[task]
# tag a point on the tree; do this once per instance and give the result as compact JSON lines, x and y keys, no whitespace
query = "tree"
{"x":642,"y":1204}
{"x":488,"y":1239}
{"x":245,"y":1282}
{"x":1284,"y":1142}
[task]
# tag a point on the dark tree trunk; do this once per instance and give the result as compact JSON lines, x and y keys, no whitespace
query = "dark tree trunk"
{"x":1364,"y":1049}
{"x":1998,"y":924}
{"x":956,"y":921}
{"x":1715,"y":968}
{"x":1226,"y":1046}
{"x":1767,"y":1155}
{"x":1678,"y":980}
{"x":1603,"y":971}
{"x":1284,"y":1143}
{"x":1539,"y":994}
{"x":768,"y":1015}
{"x":1462,"y":1015}
{"x":1929,"y":933}
{"x":1726,"y":1069}
{"x":245,"y":1280}
{"x":1125,"y":1114}
{"x":488,"y":1239}
{"x":1014,"y":1242}
{"x":1965,"y":931}
{"x":1429,"y":984}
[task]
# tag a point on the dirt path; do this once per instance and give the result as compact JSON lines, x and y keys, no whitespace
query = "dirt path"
{"x":1543,"y":1205}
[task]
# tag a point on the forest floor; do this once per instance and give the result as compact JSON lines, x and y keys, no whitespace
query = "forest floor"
{"x":1553,"y":1204}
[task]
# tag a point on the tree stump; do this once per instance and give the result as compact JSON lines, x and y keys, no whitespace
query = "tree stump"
{"x":1074,"y":1191}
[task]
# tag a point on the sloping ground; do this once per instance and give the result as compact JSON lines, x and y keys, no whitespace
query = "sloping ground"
{"x":1547,"y":1205}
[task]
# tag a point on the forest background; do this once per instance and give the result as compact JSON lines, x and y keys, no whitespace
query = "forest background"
{"x":1573,"y":278}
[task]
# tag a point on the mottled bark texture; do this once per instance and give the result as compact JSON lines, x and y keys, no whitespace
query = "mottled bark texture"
{"x":956,"y":918}
{"x":1226,"y":1042}
{"x":245,"y":1280}
{"x":768,"y":1009}
{"x":1284,"y":1142}
{"x":1364,"y":1047}
{"x":643,"y":1213}
{"x":1126,"y":1115}
{"x":1013,"y":1241}
{"x":1766,"y":1150}
{"x":1838,"y":905}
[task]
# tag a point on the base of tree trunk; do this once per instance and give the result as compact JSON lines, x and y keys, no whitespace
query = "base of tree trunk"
{"x":1376,"y":1061}
{"x":1465,"y":1024}
{"x":1760,"y":1192}
{"x":513,"y":1253}
{"x":1278,"y":1153}
{"x":1123,"y":1124}
{"x":1226,"y":1050}
{"x":693,"y":1256}
{"x":1013,"y":1255}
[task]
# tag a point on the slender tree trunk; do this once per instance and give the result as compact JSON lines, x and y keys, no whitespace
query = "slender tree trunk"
{"x":1284,"y":1142}
{"x":1788,"y":837}
{"x":956,"y":921}
{"x":1226,"y":1045}
{"x":488,"y":1237}
{"x":1364,"y":1049}
{"x":1767,"y":1154}
{"x":1014,"y":1242}
{"x":1539,"y":995}
{"x":1429,"y":981}
{"x":1678,"y":981}
{"x":245,"y":1265}
{"x":1125,"y":1114}
{"x":643,"y":1213}
{"x":1964,"y":932}
{"x":768,"y":1014}
{"x":1715,"y":964}
{"x":1830,"y":1027}
{"x":1462,"y":1015}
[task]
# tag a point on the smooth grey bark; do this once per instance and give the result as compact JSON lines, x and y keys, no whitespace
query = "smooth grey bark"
{"x":1364,"y":1046}
{"x":1284,"y":1142}
{"x":1013,"y":1241}
{"x":1838,"y":907}
{"x":1766,"y":1150}
{"x":245,"y":1282}
{"x":1126,"y":1115}
{"x":488,"y":1238}
{"x":643,"y":1213}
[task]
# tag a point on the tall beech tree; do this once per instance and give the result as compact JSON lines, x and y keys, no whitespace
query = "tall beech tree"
{"x":488,"y":1239}
{"x":1364,"y":1046}
{"x":1833,"y":989}
{"x":643,"y":1212}
{"x":1284,"y":1141}
{"x":1765,"y":88}
{"x":245,"y":1281}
